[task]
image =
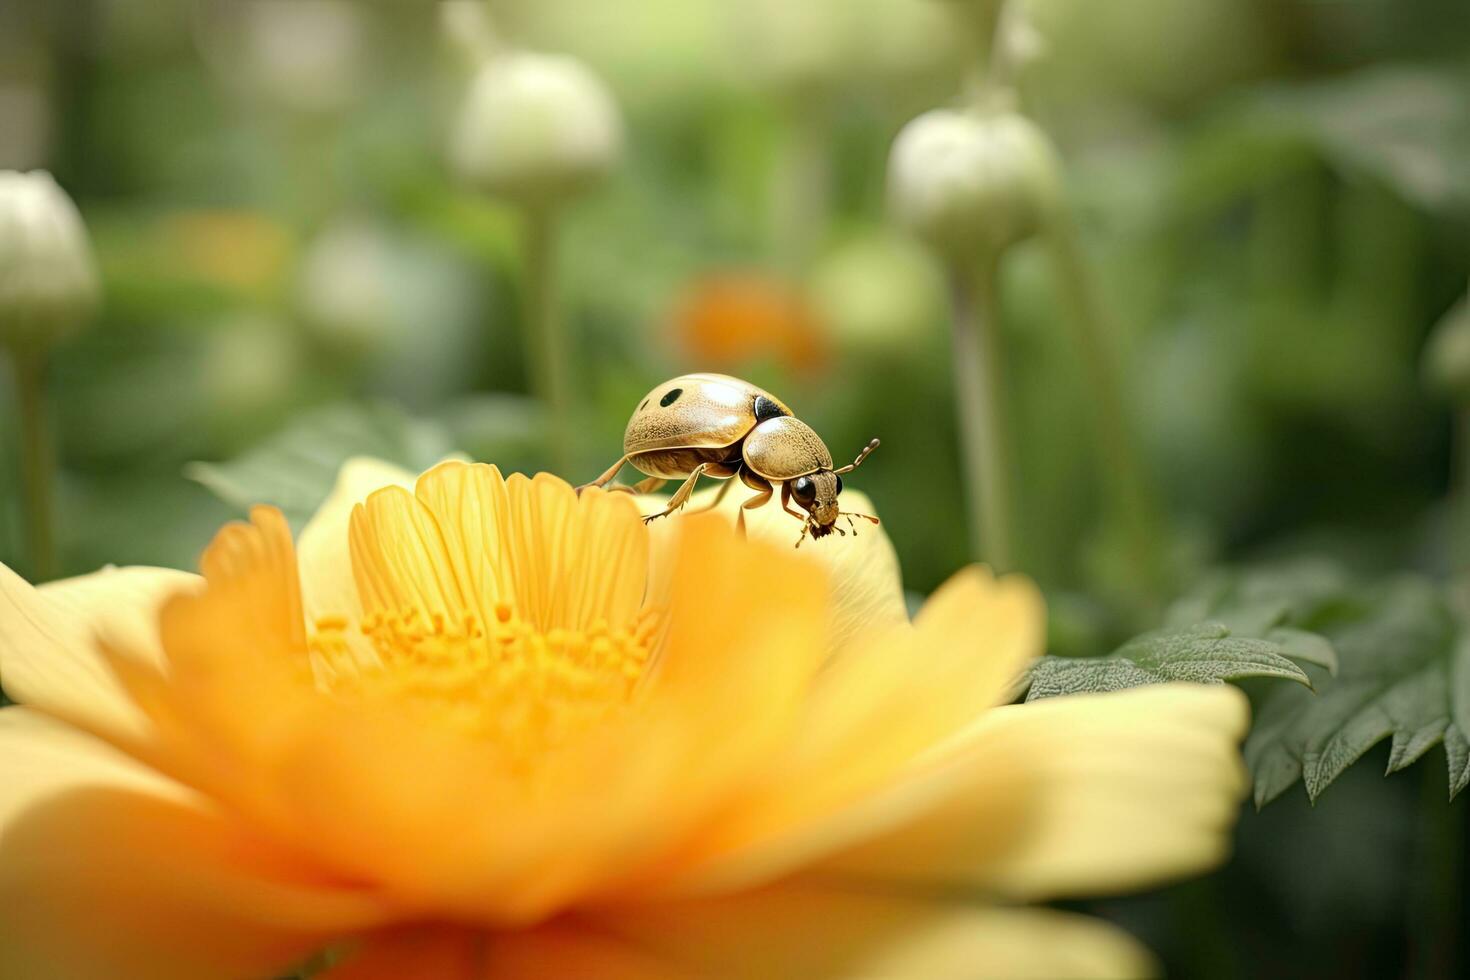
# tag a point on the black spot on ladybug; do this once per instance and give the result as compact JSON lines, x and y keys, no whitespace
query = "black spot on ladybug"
{"x":765,"y":408}
{"x":670,"y":396}
{"x":644,"y":405}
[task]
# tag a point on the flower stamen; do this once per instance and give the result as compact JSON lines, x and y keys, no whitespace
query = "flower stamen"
{"x":502,"y":679}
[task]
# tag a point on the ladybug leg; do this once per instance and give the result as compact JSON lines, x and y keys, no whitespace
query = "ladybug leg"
{"x":642,"y":486}
{"x":786,"y":504}
{"x":680,"y":495}
{"x":607,"y":475}
{"x":761,"y":497}
{"x":719,"y":496}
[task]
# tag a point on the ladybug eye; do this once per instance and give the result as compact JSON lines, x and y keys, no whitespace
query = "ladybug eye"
{"x":804,"y":490}
{"x":839,"y":484}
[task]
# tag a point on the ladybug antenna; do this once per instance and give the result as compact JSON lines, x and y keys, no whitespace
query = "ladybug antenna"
{"x":860,"y":457}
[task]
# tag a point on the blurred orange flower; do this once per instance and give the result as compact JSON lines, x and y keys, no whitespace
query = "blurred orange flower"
{"x":731,"y":319}
{"x":486,"y":727}
{"x":240,"y":250}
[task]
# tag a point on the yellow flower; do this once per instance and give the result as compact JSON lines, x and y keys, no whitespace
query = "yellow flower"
{"x":483,"y":727}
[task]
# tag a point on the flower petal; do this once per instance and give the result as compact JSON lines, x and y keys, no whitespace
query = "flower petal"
{"x":327,"y":585}
{"x":876,"y":709}
{"x":345,"y":781}
{"x":727,"y":693}
{"x":253,"y":566}
{"x":562,"y":949}
{"x":1081,"y":795}
{"x":107,"y":870}
{"x":427,"y":952}
{"x":236,"y":666}
{"x":717,"y":706}
{"x":41,"y":757}
{"x":558,"y":558}
{"x":866,"y":590}
{"x":466,"y":541}
{"x":822,"y":932}
{"x":797,"y":931}
{"x":400,"y":560}
{"x":48,"y":638}
{"x":447,"y":953}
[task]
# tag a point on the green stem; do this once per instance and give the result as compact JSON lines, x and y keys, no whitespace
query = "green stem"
{"x":1122,"y":464}
{"x":991,"y":78}
{"x":545,"y":339}
{"x":983,"y":443}
{"x":1001,"y":69}
{"x":38,"y":461}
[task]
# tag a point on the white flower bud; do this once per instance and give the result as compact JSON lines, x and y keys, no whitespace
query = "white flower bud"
{"x":536,"y":128}
{"x":969,"y":183}
{"x":345,"y":288}
{"x":48,"y":280}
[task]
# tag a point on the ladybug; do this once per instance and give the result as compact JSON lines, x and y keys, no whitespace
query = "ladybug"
{"x":718,"y":426}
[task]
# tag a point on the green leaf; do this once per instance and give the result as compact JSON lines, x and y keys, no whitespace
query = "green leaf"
{"x":1402,"y":126}
{"x":1205,"y":653}
{"x":1270,"y":603}
{"x":296,"y":468}
{"x":1404,"y":674}
{"x":1305,"y":647}
{"x":1405,"y":126}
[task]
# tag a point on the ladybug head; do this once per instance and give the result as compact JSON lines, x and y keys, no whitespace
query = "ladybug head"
{"x":817,"y":494}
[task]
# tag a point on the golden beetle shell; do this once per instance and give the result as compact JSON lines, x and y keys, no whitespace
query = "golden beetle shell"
{"x":716,"y":426}
{"x":695,"y":411}
{"x":785,"y":448}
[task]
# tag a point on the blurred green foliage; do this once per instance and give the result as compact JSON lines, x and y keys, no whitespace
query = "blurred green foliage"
{"x":1275,"y":197}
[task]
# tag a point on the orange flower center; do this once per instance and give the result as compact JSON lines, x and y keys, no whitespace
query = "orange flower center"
{"x":502,"y":679}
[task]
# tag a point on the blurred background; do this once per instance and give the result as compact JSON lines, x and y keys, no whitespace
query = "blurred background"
{"x":1273,"y":197}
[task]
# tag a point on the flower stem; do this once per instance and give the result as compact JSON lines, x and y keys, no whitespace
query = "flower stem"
{"x":545,"y":340}
{"x":1000,"y":70}
{"x":1122,"y":464}
{"x":983,"y":442}
{"x":38,"y":461}
{"x":991,"y":77}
